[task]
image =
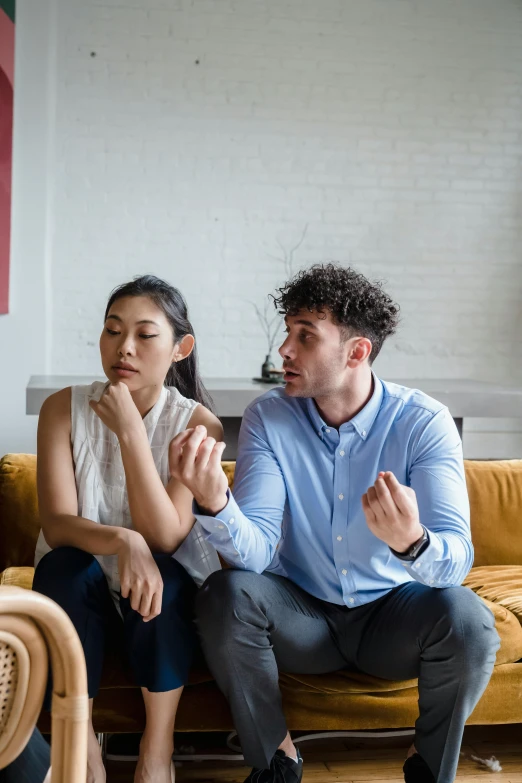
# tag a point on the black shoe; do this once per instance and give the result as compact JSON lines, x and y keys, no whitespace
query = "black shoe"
{"x":417,"y":771}
{"x":283,"y":769}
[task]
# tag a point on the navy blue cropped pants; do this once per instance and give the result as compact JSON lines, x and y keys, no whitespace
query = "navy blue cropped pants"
{"x":159,"y":652}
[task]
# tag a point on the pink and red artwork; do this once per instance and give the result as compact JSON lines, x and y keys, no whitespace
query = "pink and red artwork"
{"x":7,"y":41}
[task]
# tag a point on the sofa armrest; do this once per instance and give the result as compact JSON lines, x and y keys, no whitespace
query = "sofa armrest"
{"x":18,"y":576}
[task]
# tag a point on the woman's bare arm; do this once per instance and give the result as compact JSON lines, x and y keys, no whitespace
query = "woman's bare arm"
{"x":57,"y":495}
{"x":163,"y":515}
{"x":180,"y":496}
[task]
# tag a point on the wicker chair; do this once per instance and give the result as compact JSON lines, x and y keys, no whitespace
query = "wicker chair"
{"x":34,"y":629}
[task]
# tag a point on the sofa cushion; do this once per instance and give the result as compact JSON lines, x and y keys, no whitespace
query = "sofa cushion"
{"x":500,"y":584}
{"x":19,"y":527}
{"x":18,"y":577}
{"x":495,"y":496}
{"x":229,"y":468}
{"x":510,"y":633}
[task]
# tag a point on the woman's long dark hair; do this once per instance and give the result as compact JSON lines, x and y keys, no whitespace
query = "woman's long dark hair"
{"x":184,"y":375}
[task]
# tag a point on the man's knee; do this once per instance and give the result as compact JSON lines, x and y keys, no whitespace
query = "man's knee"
{"x":230,"y":584}
{"x":468,"y":622}
{"x":223,"y":593}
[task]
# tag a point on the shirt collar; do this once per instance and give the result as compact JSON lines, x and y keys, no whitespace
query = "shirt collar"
{"x":362,"y":422}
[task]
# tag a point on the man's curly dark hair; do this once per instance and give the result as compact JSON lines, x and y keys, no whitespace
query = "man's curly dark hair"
{"x":356,"y":304}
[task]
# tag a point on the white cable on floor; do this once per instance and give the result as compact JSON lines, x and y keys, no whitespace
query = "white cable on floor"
{"x":492,"y":764}
{"x":214,"y":756}
{"x":318,"y":735}
{"x":334,"y":735}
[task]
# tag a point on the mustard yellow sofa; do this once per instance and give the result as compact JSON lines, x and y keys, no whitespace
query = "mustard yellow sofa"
{"x":344,"y":699}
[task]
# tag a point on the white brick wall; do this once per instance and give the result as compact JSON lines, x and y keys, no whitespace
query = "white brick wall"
{"x":194,"y":138}
{"x":24,"y":331}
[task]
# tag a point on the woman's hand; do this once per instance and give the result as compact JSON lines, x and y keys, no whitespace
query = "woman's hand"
{"x":195,"y":461}
{"x":140,"y":578}
{"x":117,"y":409}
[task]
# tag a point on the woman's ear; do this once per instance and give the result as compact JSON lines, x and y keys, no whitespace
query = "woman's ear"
{"x":184,"y":348}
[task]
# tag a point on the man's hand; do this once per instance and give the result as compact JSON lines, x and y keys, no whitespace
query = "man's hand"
{"x":195,"y":460}
{"x":140,"y":578}
{"x":392,"y":513}
{"x":117,"y":409}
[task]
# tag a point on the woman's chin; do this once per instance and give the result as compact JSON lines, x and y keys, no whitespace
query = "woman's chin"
{"x":129,"y":379}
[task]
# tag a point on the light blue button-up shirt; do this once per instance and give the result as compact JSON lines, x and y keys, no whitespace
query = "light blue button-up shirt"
{"x":296,"y":507}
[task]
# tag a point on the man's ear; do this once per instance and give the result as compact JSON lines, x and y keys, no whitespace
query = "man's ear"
{"x":360,"y":350}
{"x":184,"y":348}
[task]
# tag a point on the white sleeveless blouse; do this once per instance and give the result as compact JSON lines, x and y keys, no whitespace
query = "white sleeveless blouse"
{"x":100,"y":476}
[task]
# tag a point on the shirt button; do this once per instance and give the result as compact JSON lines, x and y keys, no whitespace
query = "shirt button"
{"x":431,"y":581}
{"x":344,"y":572}
{"x":341,"y":496}
{"x":364,"y":433}
{"x":327,"y":430}
{"x":231,"y":521}
{"x":351,"y":600}
{"x":221,"y":527}
{"x":339,"y":538}
{"x":341,"y":453}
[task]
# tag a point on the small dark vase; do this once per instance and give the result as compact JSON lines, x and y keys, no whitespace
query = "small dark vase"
{"x":267,"y":366}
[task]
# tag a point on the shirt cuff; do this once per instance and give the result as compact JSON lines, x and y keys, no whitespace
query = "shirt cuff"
{"x":196,"y":510}
{"x":220,"y":527}
{"x":422,"y":569}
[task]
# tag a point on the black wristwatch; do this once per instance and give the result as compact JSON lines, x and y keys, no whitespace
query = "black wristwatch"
{"x":415,"y":549}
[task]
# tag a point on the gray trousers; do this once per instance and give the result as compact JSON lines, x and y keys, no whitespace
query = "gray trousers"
{"x":253,"y":625}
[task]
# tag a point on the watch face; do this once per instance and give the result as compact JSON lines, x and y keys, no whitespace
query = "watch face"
{"x":420,"y":546}
{"x":415,"y":550}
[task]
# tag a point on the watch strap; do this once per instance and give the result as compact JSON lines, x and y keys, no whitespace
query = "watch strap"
{"x":415,"y":549}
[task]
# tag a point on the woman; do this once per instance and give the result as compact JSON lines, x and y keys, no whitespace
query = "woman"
{"x":112,"y":516}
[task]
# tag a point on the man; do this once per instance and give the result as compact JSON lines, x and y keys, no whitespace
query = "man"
{"x":348,"y":534}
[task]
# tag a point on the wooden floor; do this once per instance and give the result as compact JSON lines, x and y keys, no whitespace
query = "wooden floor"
{"x":345,"y":760}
